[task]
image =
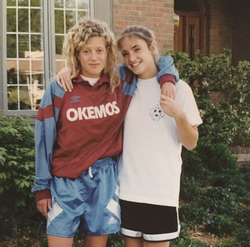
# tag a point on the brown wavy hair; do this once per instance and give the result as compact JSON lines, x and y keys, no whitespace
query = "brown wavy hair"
{"x":140,"y":32}
{"x":78,"y":36}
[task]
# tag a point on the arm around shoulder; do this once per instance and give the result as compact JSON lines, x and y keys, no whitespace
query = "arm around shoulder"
{"x":167,"y":69}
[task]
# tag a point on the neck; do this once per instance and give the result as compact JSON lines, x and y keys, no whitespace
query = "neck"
{"x":149,"y":74}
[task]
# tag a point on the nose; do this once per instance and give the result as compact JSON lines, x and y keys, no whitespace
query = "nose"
{"x":93,"y":56}
{"x":132,"y":57}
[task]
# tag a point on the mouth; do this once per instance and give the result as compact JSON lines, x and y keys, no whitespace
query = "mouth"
{"x":135,"y":64}
{"x":94,"y":64}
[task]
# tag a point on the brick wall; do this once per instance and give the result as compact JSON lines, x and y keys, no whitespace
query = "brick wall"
{"x":229,"y":28}
{"x":156,"y":15}
{"x":241,"y":30}
{"x":220,"y":30}
{"x":228,"y":23}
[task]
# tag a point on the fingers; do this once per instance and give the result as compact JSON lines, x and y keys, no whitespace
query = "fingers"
{"x":170,"y":94}
{"x":49,"y":204}
{"x":68,"y":82}
{"x":43,"y":206}
{"x":64,"y":79}
{"x":67,"y":85}
{"x":163,"y":101}
{"x":166,"y":100}
{"x":43,"y":210}
{"x":164,"y":97}
{"x":58,"y":80}
{"x":64,"y":85}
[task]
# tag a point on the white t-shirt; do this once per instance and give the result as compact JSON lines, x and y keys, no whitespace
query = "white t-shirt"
{"x":92,"y":81}
{"x":150,"y":165}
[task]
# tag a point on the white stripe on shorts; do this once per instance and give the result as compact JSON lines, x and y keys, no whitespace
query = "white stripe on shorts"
{"x":151,"y":237}
{"x":161,"y":237}
{"x":130,"y":233}
{"x":55,"y":211}
{"x":114,"y":207}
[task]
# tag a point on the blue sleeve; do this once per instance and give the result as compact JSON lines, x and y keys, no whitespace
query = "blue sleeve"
{"x":129,"y":79}
{"x":122,"y":70}
{"x":45,"y":135}
{"x":166,"y":66}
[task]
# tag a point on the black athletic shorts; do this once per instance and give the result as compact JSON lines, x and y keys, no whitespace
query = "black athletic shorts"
{"x":154,"y":223}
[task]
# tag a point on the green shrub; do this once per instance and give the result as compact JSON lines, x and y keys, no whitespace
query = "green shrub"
{"x":186,"y":242}
{"x":16,"y":173}
{"x":214,"y":186}
{"x":230,"y":117}
{"x":243,"y":237}
{"x":221,"y":225}
{"x":191,"y":191}
{"x":193,"y":214}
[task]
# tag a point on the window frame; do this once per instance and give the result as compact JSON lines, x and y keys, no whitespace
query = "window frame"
{"x":49,"y":59}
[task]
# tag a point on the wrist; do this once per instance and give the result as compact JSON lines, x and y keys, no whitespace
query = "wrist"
{"x":167,"y":78}
{"x":43,"y":194}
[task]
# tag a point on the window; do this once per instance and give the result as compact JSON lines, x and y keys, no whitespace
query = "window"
{"x":34,"y":31}
{"x":191,"y":41}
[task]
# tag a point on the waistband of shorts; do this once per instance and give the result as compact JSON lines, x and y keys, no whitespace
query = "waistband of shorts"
{"x":101,"y":162}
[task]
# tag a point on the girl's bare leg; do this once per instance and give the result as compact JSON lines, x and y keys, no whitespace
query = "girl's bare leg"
{"x":138,"y":242}
{"x":95,"y":241}
{"x":133,"y":242}
{"x":55,"y":241}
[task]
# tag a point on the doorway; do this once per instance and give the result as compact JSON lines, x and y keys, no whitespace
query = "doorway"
{"x":190,"y":35}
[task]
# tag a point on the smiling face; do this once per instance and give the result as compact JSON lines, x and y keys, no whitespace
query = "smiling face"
{"x":138,"y":57}
{"x":93,"y":57}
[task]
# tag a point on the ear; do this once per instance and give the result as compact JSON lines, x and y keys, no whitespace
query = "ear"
{"x":77,"y":56}
{"x":107,"y":50}
{"x":153,"y":48}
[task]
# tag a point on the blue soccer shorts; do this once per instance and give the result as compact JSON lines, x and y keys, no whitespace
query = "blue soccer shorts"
{"x":89,"y":203}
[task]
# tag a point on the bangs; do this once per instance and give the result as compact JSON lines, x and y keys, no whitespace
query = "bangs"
{"x":133,"y":36}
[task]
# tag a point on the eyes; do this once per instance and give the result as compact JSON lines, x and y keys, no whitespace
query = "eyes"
{"x":87,"y":51}
{"x":134,"y":49}
{"x":124,"y":54}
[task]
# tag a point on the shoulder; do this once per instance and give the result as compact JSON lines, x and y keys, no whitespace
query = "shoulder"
{"x":124,"y":73}
{"x":55,"y":89}
{"x":165,"y":59}
{"x":183,"y":91}
{"x":122,"y":69}
{"x":53,"y":85}
{"x":183,"y":86}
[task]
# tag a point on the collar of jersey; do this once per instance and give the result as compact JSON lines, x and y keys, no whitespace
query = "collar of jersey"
{"x":103,"y":79}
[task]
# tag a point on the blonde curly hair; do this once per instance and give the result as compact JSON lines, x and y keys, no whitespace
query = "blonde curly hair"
{"x":78,"y":36}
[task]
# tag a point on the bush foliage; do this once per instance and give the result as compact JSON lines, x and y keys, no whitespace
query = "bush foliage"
{"x":228,"y":118}
{"x":17,"y":207}
{"x":215,"y":192}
